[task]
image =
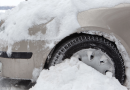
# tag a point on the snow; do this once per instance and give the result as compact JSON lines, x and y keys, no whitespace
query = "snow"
{"x":36,"y":73}
{"x":60,"y":18}
{"x":120,"y":47}
{"x":2,"y":11}
{"x":73,"y":74}
{"x":9,"y":84}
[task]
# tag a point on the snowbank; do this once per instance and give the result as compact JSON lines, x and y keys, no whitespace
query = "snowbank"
{"x":75,"y":75}
{"x":2,"y":11}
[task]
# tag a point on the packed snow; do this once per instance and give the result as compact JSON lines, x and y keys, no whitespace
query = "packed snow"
{"x":73,"y":74}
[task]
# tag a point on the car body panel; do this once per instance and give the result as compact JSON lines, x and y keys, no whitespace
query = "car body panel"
{"x":23,"y":68}
{"x":109,"y":20}
{"x":115,"y":20}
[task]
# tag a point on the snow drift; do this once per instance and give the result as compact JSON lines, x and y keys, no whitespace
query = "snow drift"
{"x":73,"y":74}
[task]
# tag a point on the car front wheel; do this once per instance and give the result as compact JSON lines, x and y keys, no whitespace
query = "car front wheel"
{"x":93,"y":50}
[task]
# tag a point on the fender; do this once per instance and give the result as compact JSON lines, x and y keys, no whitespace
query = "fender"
{"x":106,"y":33}
{"x":102,"y":31}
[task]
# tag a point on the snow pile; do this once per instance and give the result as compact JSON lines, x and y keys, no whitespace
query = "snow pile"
{"x":75,"y":75}
{"x":2,"y":11}
{"x":61,"y":15}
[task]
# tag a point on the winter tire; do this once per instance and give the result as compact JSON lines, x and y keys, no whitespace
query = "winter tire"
{"x":92,"y":47}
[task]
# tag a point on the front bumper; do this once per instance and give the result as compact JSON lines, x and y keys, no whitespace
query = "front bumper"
{"x":17,"y":66}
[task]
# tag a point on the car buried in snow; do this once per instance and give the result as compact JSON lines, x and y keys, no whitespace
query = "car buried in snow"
{"x":102,"y":42}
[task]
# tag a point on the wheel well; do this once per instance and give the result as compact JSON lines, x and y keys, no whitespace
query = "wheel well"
{"x":74,"y":36}
{"x":64,"y":40}
{"x":57,"y":45}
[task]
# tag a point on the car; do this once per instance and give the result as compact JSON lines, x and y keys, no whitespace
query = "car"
{"x":102,"y":42}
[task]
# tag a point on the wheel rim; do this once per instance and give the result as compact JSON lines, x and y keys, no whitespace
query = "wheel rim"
{"x":96,"y":59}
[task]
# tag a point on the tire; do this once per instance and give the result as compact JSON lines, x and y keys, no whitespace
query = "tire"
{"x":84,"y":41}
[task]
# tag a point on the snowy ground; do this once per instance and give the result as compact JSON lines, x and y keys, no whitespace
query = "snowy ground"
{"x":9,"y":84}
{"x":73,"y":74}
{"x":2,"y":11}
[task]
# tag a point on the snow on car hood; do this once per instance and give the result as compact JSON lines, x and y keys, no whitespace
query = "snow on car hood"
{"x":73,"y":74}
{"x":60,"y":16}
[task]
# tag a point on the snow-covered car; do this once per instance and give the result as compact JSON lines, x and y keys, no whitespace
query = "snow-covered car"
{"x":102,"y":41}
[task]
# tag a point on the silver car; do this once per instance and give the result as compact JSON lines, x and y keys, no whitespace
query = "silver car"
{"x":102,"y":42}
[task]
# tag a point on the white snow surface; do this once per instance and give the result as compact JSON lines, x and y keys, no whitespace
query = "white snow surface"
{"x":2,"y":11}
{"x":73,"y":74}
{"x":36,"y":73}
{"x":62,"y":15}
